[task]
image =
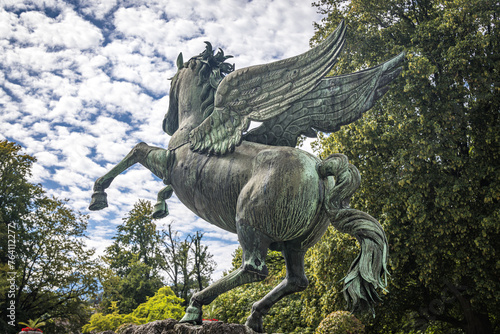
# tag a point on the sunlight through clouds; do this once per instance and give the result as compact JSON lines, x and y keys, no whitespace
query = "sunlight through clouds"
{"x":82,"y":82}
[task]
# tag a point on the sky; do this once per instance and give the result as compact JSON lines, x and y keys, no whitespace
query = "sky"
{"x":83,"y":81}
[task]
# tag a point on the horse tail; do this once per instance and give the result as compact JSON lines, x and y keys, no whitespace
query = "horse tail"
{"x":370,"y":267}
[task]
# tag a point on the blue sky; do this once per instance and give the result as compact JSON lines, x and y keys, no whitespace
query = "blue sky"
{"x":83,"y":81}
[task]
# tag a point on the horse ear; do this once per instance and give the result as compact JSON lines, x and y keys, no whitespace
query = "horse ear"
{"x":180,"y":61}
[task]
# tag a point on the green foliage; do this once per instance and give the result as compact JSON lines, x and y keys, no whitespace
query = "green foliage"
{"x":130,"y":290}
{"x":326,"y":264}
{"x":17,"y":195}
{"x":57,"y":273}
{"x":134,"y":260}
{"x":234,"y":306}
{"x":140,"y":253}
{"x":211,"y":311}
{"x":54,"y":272}
{"x":275,"y":262}
{"x":287,"y":316}
{"x":340,"y":322}
{"x":136,"y":237}
{"x":429,"y":154}
{"x":100,"y":322}
{"x":37,"y":323}
{"x":163,"y":305}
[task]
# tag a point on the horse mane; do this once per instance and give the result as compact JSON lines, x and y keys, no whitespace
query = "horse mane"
{"x":211,"y":69}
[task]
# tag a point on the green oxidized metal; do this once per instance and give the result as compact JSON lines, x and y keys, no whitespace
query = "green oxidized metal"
{"x":255,"y":183}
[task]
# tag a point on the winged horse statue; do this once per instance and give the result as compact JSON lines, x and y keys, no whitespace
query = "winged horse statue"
{"x":256,"y":183}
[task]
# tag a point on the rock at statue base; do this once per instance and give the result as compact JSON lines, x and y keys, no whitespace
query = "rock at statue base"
{"x":171,"y":326}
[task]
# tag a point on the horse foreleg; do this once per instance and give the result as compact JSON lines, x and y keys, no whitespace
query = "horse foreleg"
{"x":295,"y":281}
{"x":254,"y":245}
{"x":160,"y":209}
{"x":138,"y":154}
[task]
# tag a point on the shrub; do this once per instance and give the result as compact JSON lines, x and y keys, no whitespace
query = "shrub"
{"x":163,"y":305}
{"x":340,"y":322}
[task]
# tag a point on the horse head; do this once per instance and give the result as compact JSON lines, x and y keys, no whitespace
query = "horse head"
{"x":193,"y":87}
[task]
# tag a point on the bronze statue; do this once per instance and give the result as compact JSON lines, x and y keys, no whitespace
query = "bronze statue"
{"x":255,"y":183}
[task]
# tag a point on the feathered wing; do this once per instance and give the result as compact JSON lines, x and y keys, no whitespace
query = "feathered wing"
{"x":263,"y":92}
{"x":336,"y":101}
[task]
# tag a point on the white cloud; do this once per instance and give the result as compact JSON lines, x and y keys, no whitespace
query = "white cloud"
{"x":99,"y":240}
{"x":98,"y":8}
{"x":146,"y":24}
{"x":6,"y":24}
{"x":67,"y":30}
{"x":46,"y":158}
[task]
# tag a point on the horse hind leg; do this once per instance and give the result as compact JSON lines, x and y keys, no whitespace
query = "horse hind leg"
{"x":253,"y":269}
{"x":138,"y":154}
{"x":295,"y":281}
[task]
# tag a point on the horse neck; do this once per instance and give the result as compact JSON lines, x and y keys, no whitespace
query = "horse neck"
{"x":181,"y":136}
{"x":189,"y":104}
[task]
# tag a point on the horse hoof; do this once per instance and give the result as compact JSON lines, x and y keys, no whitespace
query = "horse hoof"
{"x":160,"y":210}
{"x":192,"y":316}
{"x":255,"y":323}
{"x":99,"y":201}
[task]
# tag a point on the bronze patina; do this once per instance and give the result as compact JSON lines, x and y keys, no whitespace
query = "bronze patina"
{"x":255,"y":183}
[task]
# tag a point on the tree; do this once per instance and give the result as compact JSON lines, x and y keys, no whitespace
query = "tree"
{"x":57,"y":274}
{"x":53,"y":272}
{"x":130,"y":290}
{"x":170,"y":242}
{"x":184,"y":260}
{"x":203,"y":265}
{"x":187,"y":263}
{"x":17,"y":195}
{"x":137,"y":236}
{"x":163,"y":305}
{"x":140,"y":253}
{"x":429,"y":154}
{"x":134,"y":261}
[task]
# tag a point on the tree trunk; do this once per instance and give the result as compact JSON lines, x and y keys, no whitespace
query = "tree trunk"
{"x":477,"y":323}
{"x":474,"y":323}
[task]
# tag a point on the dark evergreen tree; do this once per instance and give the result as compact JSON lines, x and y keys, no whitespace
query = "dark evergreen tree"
{"x":429,"y":155}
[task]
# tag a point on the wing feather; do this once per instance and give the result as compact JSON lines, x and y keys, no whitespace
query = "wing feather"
{"x":336,"y":101}
{"x":263,"y":92}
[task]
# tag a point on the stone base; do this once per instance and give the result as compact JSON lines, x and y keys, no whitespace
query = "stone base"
{"x":171,"y":326}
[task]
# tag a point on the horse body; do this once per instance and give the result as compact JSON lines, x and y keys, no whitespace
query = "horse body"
{"x":271,"y":188}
